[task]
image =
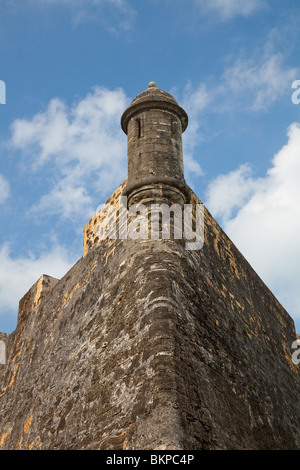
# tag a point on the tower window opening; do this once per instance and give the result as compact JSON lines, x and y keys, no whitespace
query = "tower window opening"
{"x":174,"y":128}
{"x":138,"y":125}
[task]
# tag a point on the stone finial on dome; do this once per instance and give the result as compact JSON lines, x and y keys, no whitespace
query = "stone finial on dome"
{"x":152,"y":85}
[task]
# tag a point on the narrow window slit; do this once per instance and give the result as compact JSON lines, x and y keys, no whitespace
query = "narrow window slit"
{"x":174,"y":128}
{"x":138,"y":125}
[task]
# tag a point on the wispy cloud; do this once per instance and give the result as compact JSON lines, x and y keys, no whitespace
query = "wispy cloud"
{"x":84,"y":144}
{"x":194,"y":101}
{"x":228,"y":9}
{"x":250,"y":84}
{"x":4,"y":189}
{"x":228,"y":193}
{"x":262,"y":216}
{"x":259,"y":81}
{"x":18,"y":274}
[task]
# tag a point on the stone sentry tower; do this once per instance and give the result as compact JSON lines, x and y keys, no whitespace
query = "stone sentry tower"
{"x":154,"y":124}
{"x":144,"y":344}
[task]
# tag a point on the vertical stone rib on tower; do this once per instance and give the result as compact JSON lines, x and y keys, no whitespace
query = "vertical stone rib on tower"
{"x":154,"y":123}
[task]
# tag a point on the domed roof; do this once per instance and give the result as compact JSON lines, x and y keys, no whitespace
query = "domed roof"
{"x":153,"y":98}
{"x":154,"y":93}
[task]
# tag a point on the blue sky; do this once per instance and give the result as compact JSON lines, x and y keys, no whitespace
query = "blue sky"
{"x":71,"y":67}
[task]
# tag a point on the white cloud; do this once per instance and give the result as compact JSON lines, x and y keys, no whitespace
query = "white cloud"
{"x":259,"y":81}
{"x":228,"y":193}
{"x":66,"y":199}
{"x":17,"y":275}
{"x":227,"y":9}
{"x":252,"y":84}
{"x":194,"y":101}
{"x":84,"y":144}
{"x":4,"y":189}
{"x":267,"y":225}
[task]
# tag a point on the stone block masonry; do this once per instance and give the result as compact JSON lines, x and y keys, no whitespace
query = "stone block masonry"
{"x":152,"y":347}
{"x":146,"y":345}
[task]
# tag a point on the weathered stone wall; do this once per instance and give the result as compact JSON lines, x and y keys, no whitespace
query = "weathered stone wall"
{"x":241,"y":390}
{"x":33,"y":298}
{"x":145,"y":345}
{"x":90,"y":232}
